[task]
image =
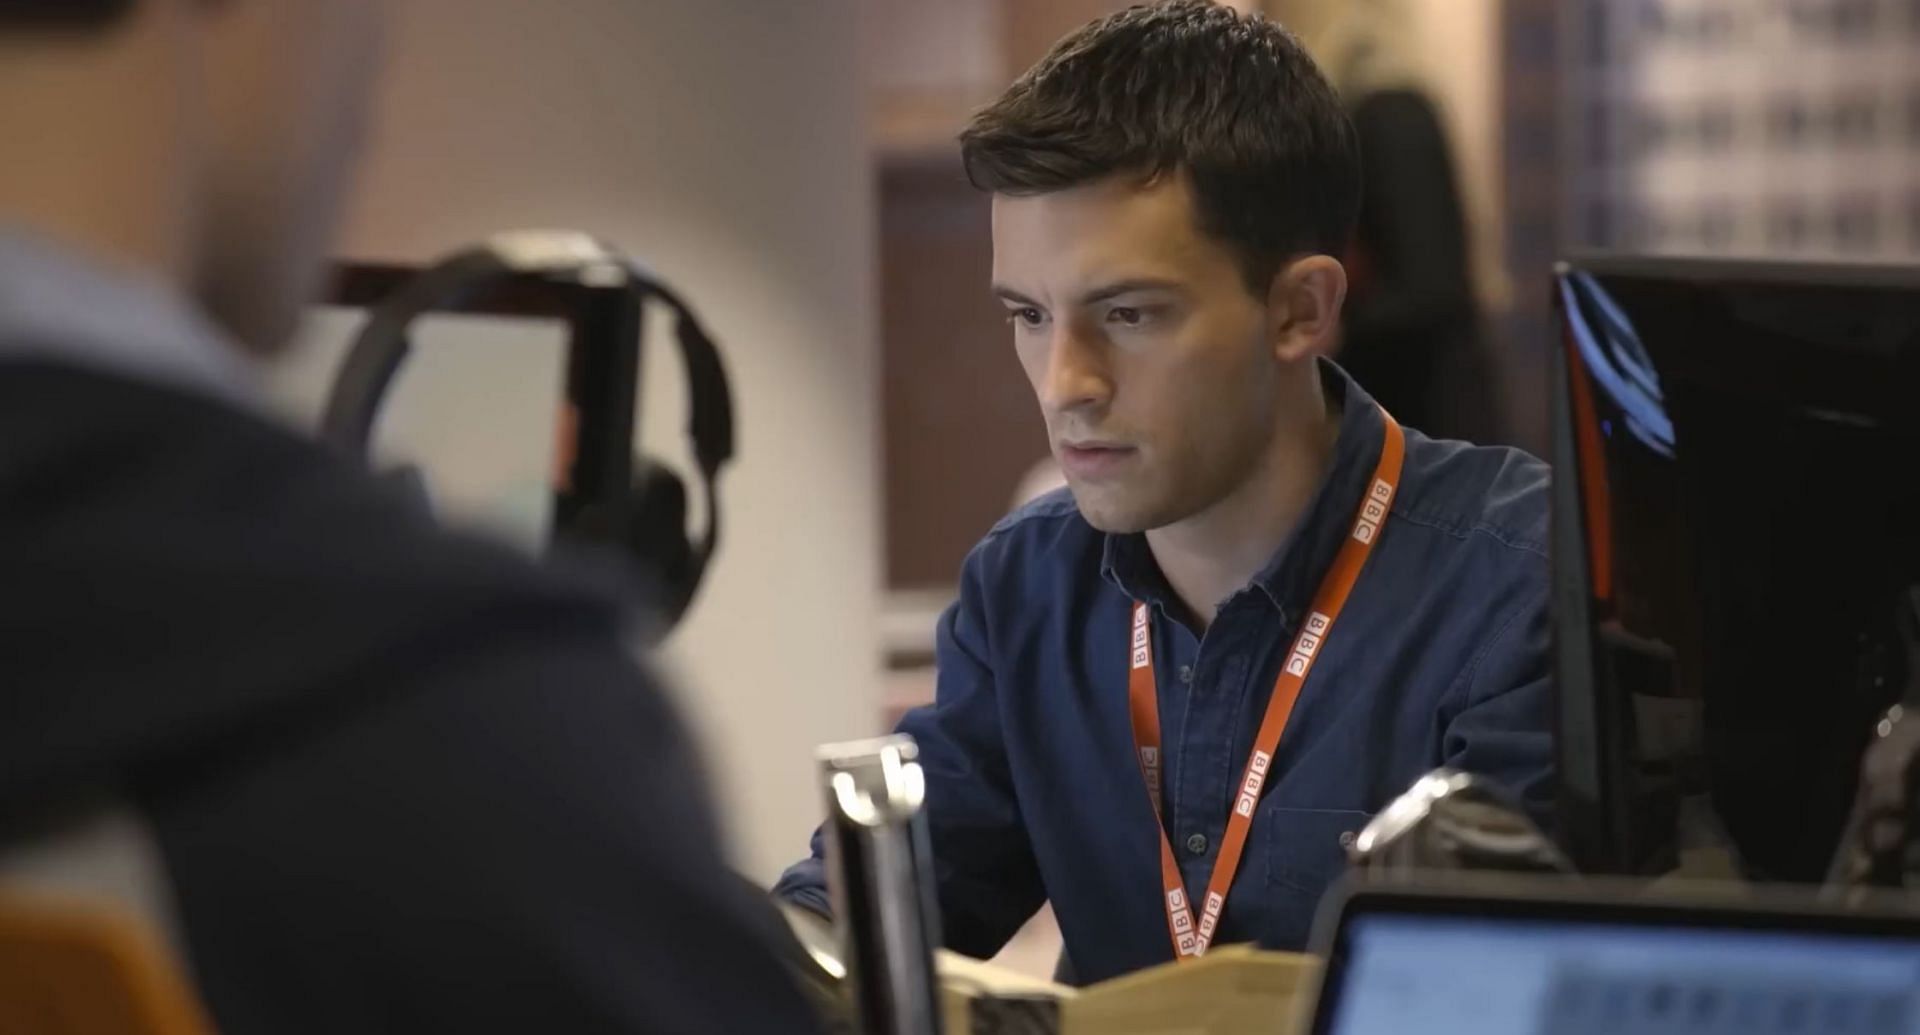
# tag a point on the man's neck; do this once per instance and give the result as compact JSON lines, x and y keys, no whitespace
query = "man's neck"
{"x":1208,"y":557}
{"x":107,"y":171}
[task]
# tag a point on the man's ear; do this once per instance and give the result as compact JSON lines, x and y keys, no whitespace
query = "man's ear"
{"x":1303,"y":306}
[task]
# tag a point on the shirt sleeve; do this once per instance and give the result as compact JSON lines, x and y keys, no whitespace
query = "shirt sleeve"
{"x":1501,"y":727}
{"x":988,"y":882}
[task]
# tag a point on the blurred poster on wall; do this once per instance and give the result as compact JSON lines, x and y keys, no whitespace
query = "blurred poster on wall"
{"x":1728,"y":127}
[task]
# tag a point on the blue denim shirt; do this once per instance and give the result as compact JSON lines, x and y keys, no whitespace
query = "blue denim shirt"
{"x":1034,"y":793}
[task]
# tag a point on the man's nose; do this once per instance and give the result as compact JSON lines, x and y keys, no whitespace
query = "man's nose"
{"x":1077,"y":374}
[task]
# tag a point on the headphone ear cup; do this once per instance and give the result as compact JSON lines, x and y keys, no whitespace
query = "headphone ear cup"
{"x":657,"y":534}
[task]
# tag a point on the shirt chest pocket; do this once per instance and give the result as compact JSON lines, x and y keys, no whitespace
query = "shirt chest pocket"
{"x":1296,"y":854}
{"x":1306,"y":849}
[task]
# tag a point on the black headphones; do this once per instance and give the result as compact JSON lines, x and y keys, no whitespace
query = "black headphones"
{"x":646,"y":513}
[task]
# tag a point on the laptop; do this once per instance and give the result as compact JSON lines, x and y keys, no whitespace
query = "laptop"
{"x":1535,"y":959}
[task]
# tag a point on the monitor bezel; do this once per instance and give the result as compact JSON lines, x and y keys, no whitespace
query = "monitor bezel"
{"x":1838,"y":273}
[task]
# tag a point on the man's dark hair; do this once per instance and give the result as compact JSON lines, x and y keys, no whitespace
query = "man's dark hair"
{"x":60,"y":14}
{"x":1188,"y":86}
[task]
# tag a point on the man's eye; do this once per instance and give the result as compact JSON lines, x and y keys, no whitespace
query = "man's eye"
{"x":1126,"y":316}
{"x":1026,"y":317}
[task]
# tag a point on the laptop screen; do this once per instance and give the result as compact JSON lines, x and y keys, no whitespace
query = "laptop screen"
{"x":1442,"y":975}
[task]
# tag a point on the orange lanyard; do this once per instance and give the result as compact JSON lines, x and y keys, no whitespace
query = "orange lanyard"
{"x":1328,"y":600}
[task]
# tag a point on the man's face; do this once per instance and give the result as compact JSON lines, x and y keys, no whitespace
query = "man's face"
{"x":1152,"y":362}
{"x":287,"y":85}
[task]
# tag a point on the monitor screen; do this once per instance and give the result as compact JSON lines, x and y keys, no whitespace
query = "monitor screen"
{"x":476,"y":410}
{"x":1491,"y":975}
{"x":1736,"y":555}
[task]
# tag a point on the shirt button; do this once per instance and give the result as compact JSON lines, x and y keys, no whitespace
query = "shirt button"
{"x":1197,"y":844}
{"x":1186,"y":673}
{"x":1347,"y":839}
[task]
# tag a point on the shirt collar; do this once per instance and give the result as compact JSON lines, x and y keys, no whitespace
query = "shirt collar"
{"x":60,"y":307}
{"x":1293,"y":572}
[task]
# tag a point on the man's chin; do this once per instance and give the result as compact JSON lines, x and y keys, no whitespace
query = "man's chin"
{"x":1110,"y":515}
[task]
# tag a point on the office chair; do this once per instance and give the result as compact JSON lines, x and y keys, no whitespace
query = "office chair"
{"x":70,"y":967}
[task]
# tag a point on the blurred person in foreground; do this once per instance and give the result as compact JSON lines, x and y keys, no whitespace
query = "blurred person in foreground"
{"x":1154,"y":706}
{"x":368,"y":774}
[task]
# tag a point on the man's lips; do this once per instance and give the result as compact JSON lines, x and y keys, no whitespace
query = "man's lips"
{"x":1094,"y":459}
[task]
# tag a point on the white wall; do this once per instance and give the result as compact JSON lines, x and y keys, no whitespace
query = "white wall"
{"x":936,"y":46}
{"x":723,"y":141}
{"x":1461,"y":44}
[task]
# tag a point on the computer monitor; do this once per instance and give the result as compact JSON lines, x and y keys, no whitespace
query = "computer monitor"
{"x":516,"y":410}
{"x":1567,"y":962}
{"x":1736,"y":534}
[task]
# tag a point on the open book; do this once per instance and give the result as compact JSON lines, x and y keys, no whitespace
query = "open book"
{"x":1233,"y":989}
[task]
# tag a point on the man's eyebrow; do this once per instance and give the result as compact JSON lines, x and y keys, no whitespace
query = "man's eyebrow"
{"x":1007,"y":294}
{"x":1099,"y":294}
{"x":1127,"y":287}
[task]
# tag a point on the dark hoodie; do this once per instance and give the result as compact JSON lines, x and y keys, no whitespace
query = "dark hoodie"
{"x":398,"y":779}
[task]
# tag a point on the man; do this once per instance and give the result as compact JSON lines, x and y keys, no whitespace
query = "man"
{"x":385,"y":778}
{"x":1169,"y":187}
